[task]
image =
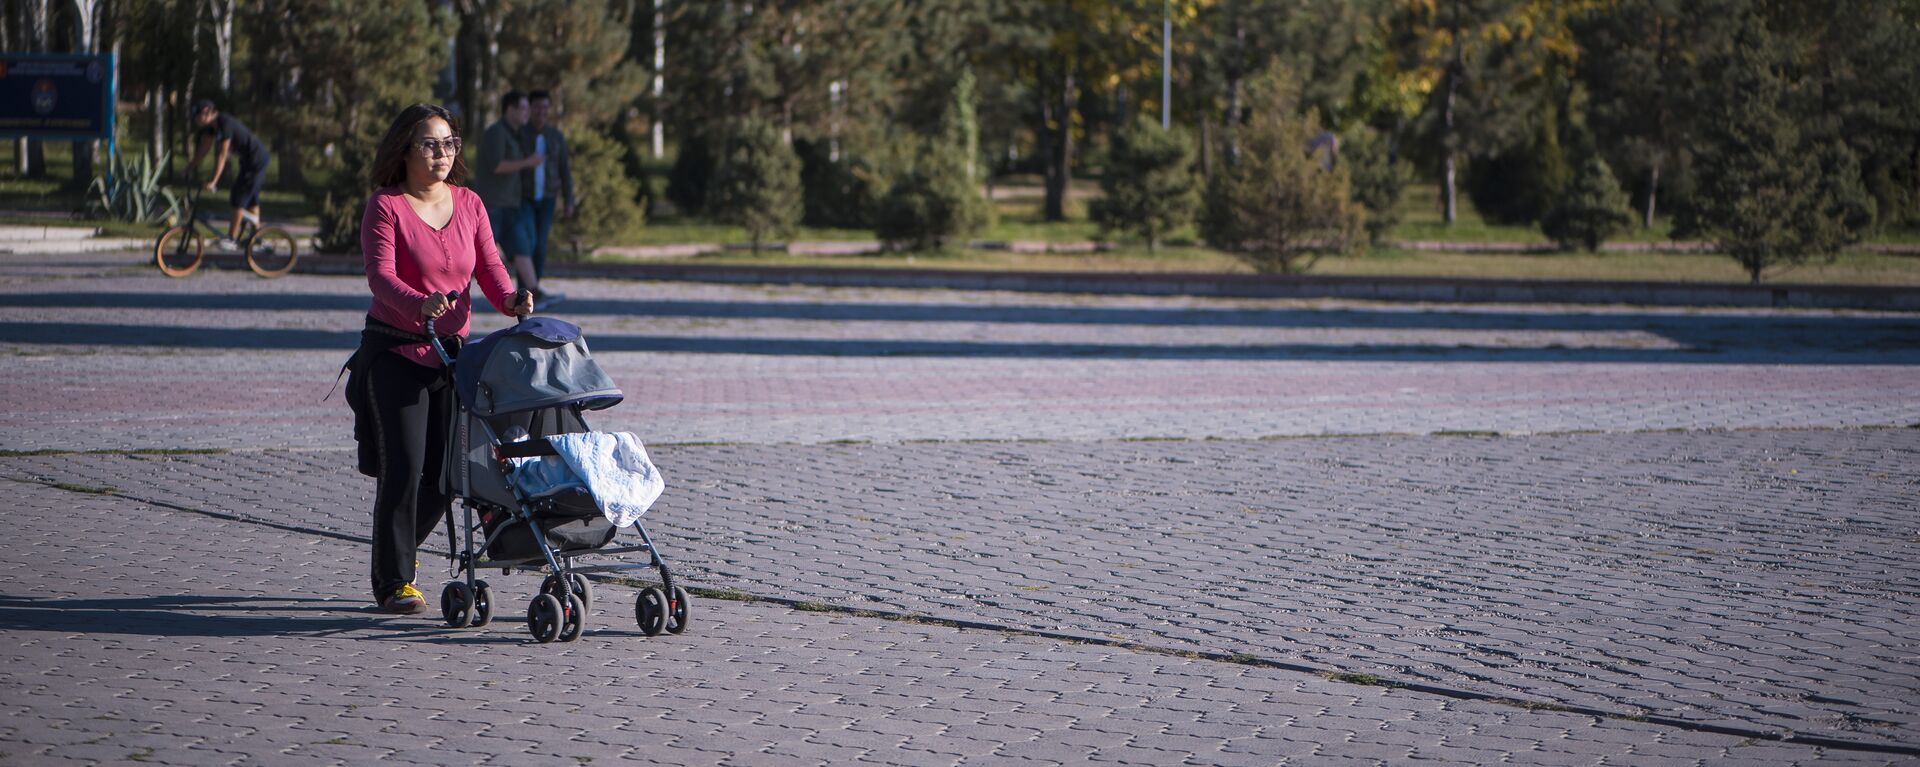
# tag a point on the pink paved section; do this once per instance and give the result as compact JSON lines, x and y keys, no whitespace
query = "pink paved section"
{"x":118,"y":360}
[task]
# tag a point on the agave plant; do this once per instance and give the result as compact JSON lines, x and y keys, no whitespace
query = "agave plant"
{"x":131,"y":191}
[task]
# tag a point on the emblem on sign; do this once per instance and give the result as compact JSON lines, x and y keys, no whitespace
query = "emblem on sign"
{"x":44,"y":97}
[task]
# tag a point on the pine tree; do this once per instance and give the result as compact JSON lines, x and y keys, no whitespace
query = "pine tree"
{"x":1149,"y":187}
{"x":1763,"y":197}
{"x":575,"y":49}
{"x":608,"y":208}
{"x":757,"y":184}
{"x":1591,"y":209}
{"x":1276,"y":208}
{"x":339,"y":96}
{"x":1378,"y":182}
{"x":938,"y":199}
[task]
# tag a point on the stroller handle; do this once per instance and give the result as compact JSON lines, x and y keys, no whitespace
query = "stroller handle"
{"x":452,"y":296}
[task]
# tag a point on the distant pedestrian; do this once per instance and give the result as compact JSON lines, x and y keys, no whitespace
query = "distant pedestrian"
{"x":497,"y":179}
{"x":546,"y":186}
{"x":424,"y":237}
{"x":250,"y":162}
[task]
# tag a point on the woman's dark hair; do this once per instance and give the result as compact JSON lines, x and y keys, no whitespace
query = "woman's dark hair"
{"x":390,"y":160}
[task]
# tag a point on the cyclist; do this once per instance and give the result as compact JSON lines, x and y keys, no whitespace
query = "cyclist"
{"x":250,"y":157}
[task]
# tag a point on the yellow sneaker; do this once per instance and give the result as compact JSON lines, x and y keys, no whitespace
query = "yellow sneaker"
{"x":407,"y":600}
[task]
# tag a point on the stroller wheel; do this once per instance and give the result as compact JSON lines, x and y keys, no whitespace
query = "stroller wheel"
{"x":482,"y":604}
{"x":677,"y":611}
{"x":650,"y":608}
{"x":580,"y":586}
{"x":575,"y":621}
{"x":544,"y":617}
{"x":456,"y":605}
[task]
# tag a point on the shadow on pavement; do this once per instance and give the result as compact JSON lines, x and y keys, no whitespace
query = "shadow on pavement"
{"x":206,"y":616}
{"x":1856,"y":347}
{"x":1412,"y":317}
{"x":1718,"y":338}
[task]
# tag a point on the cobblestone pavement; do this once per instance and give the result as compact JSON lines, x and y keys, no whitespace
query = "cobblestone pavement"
{"x":155,"y":362}
{"x":1010,"y":562}
{"x":160,"y":645}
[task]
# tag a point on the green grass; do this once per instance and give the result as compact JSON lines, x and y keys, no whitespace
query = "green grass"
{"x":1018,"y":205}
{"x":1855,"y":268}
{"x":57,"y":192}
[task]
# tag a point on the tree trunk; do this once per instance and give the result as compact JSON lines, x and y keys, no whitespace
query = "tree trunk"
{"x":1236,"y":111}
{"x":1447,"y":137}
{"x":477,"y":60}
{"x":1047,"y":151}
{"x":1230,"y":122}
{"x":1653,"y":192}
{"x":286,"y":149}
{"x":157,"y":109}
{"x":86,"y":40}
{"x":222,"y":12}
{"x":34,"y":21}
{"x":658,"y":106}
{"x":1060,"y":161}
{"x":1206,"y":149}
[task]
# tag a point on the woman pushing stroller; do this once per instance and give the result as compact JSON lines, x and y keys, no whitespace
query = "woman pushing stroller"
{"x":424,"y":237}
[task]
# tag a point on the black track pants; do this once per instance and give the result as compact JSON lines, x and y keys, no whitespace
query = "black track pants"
{"x":413,"y":410}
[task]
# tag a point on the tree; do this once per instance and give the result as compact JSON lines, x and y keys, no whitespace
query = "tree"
{"x":757,"y":185}
{"x":1149,"y":185}
{"x":577,"y":50}
{"x":937,"y":200}
{"x":1633,"y":65}
{"x":1591,"y":209}
{"x":1275,"y":207}
{"x":1378,"y":182}
{"x":607,"y":194}
{"x":824,"y":72}
{"x":1443,"y":41}
{"x":1860,"y":86}
{"x":341,"y":101}
{"x":1767,"y":197}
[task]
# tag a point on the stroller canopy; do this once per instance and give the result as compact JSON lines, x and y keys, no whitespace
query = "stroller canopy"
{"x":539,"y":362}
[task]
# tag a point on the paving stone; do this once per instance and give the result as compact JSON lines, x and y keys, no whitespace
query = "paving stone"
{"x":1757,"y":579}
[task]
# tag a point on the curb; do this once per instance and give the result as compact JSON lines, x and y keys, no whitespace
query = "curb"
{"x":1408,"y":289}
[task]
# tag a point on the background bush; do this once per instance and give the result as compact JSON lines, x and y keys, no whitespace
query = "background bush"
{"x":1592,"y":209}
{"x":1276,"y":208}
{"x":1150,"y":188}
{"x":608,"y":200}
{"x":757,"y":185}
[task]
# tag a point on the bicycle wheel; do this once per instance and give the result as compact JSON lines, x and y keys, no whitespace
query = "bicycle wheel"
{"x":178,"y":251}
{"x":271,"y":252}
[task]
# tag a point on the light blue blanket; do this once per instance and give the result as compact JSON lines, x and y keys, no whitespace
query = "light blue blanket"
{"x":613,"y":467}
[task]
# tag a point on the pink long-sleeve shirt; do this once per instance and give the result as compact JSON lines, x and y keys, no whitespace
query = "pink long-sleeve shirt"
{"x":407,"y":260}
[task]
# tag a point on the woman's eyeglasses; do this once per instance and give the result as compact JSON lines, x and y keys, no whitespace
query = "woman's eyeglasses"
{"x":435,"y":147}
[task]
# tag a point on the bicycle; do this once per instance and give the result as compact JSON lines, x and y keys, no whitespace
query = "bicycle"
{"x":270,"y":251}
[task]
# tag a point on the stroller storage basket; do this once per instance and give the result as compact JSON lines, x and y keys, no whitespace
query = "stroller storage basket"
{"x":510,"y":540}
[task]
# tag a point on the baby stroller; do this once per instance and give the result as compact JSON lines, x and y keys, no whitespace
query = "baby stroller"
{"x":514,"y":389}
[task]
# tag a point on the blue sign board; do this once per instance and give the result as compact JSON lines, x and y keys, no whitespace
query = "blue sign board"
{"x":57,"y":96}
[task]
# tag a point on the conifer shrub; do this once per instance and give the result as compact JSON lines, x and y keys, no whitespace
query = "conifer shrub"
{"x":1149,"y":189}
{"x":757,"y":184}
{"x":607,"y":199}
{"x":1590,"y":210}
{"x":1275,"y":207}
{"x":937,"y":200}
{"x":1379,"y":183}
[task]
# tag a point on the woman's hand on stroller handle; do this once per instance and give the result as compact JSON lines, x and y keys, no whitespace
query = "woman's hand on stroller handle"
{"x":438,"y":304}
{"x":522,"y":304}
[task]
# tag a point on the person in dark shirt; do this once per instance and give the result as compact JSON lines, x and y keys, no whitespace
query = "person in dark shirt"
{"x":545,"y":186}
{"x":250,"y":161}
